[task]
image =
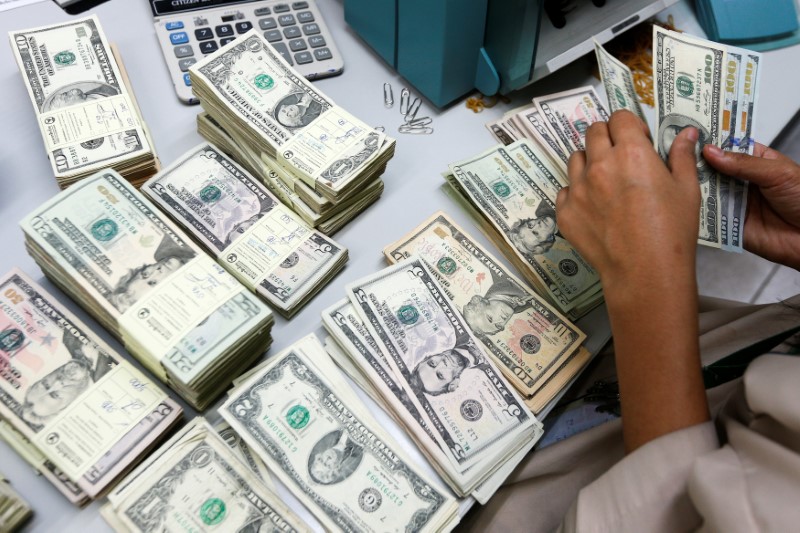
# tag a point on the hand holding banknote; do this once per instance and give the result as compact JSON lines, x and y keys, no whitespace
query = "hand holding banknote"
{"x":772,"y":228}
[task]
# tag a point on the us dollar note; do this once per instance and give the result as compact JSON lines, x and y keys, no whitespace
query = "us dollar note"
{"x":569,"y":114}
{"x":688,"y":92}
{"x":618,"y":81}
{"x":253,"y":235}
{"x":471,"y":409}
{"x":506,"y":197}
{"x":531,"y":121}
{"x":332,"y":457}
{"x":525,"y":336}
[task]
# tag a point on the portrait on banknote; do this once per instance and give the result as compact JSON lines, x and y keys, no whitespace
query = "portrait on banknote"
{"x":334,"y":458}
{"x":297,"y":110}
{"x":536,"y":235}
{"x":670,"y":127}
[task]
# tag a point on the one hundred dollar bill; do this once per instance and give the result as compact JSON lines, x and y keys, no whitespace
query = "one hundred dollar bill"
{"x":569,"y":114}
{"x":688,"y":75}
{"x":319,"y":442}
{"x":252,"y":234}
{"x":618,"y":81}
{"x":526,"y":337}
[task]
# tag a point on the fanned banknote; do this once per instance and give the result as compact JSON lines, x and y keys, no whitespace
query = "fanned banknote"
{"x":569,"y":114}
{"x":180,"y":313}
{"x":76,"y":403}
{"x":252,"y":234}
{"x":529,"y":120}
{"x":618,"y":81}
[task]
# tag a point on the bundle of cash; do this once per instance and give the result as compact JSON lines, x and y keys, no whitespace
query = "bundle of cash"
{"x":176,"y":310}
{"x":196,"y":482}
{"x":14,"y":510}
{"x":84,"y":106}
{"x":404,"y":336}
{"x":536,"y":347}
{"x":325,"y":155}
{"x":712,"y":87}
{"x":511,"y":191}
{"x":254,"y":236}
{"x":77,"y":411}
{"x":315,"y":435}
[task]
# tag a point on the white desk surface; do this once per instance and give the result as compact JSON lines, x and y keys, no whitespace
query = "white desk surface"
{"x":413,"y":179}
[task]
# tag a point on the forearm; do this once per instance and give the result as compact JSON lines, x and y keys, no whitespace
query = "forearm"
{"x":655,"y":324}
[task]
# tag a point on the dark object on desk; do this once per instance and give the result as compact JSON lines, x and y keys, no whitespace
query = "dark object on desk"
{"x":750,"y":23}
{"x":73,"y":7}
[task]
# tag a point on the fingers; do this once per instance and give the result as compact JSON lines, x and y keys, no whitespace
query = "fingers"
{"x":597,"y":140}
{"x":769,"y":169}
{"x":682,"y":160}
{"x":624,"y":126}
{"x":576,"y":165}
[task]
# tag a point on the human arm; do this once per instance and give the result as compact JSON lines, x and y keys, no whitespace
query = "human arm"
{"x":636,"y":222}
{"x":772,"y":225}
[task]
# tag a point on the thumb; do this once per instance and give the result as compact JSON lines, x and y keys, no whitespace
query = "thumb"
{"x":682,"y":160}
{"x":763,"y":171}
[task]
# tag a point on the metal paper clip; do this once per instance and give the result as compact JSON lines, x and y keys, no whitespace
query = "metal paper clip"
{"x":388,"y":96}
{"x":412,"y":109}
{"x":379,"y":128}
{"x":405,"y":128}
{"x":404,"y":99}
{"x":419,"y":122}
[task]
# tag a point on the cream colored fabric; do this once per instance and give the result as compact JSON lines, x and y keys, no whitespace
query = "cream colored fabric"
{"x":683,"y":481}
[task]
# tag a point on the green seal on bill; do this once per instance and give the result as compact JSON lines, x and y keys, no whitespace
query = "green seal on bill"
{"x":407,"y":314}
{"x":501,"y":189}
{"x":210,"y":194}
{"x":104,"y":229}
{"x":264,"y":82}
{"x":684,"y":85}
{"x":620,"y":97}
{"x":298,"y":417}
{"x":446,"y":265}
{"x":64,"y":58}
{"x":212,"y":512}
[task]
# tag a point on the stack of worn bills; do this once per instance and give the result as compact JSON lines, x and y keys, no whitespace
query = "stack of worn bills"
{"x":313,"y":432}
{"x":404,"y":340}
{"x":714,"y":88}
{"x":14,"y":510}
{"x":325,"y":162}
{"x":511,"y":191}
{"x":83,"y":101}
{"x":196,"y":482}
{"x":255,"y":237}
{"x":538,"y":350}
{"x":176,"y":310}
{"x":73,"y":408}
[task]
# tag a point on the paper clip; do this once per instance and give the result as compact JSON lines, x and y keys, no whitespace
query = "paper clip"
{"x":379,"y":128}
{"x":404,"y":99}
{"x":388,"y":96}
{"x":405,"y":128}
{"x":419,"y":122}
{"x":412,"y":110}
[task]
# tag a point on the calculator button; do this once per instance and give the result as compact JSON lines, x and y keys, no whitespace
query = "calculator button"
{"x":316,"y":41}
{"x":184,"y":64}
{"x":187,"y":80}
{"x":174,"y":25}
{"x":184,"y":51}
{"x":303,"y":57}
{"x":280,"y":8}
{"x":305,"y":16}
{"x":261,"y":11}
{"x":273,"y":36}
{"x":322,"y":54}
{"x":292,"y":32}
{"x":226,"y":40}
{"x":297,"y":44}
{"x":311,"y":29}
{"x":299,"y":5}
{"x":244,"y":27}
{"x":179,"y":37}
{"x":281,"y":48}
{"x":207,"y":47}
{"x":201,"y":34}
{"x":267,"y":23}
{"x":224,"y":30}
{"x":286,"y":20}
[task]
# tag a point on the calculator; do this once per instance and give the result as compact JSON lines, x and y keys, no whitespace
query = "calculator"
{"x":189,"y":29}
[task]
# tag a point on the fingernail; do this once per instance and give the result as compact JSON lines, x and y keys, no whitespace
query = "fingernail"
{"x":692,"y":134}
{"x":714,"y":151}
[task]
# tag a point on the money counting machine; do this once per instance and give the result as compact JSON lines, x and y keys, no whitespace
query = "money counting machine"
{"x":448,"y":48}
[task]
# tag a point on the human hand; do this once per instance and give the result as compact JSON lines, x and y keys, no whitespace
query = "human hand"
{"x":772,"y":223}
{"x":632,"y":218}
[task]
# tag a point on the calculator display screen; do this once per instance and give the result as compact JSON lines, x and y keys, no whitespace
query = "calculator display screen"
{"x":169,"y":7}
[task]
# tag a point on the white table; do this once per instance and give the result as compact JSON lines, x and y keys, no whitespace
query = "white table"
{"x":413,"y":179}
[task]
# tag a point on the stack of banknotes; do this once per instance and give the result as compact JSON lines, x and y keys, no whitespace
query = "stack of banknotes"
{"x":316,"y":436}
{"x":714,"y":88}
{"x":312,"y":154}
{"x":83,"y":101}
{"x":77,"y":411}
{"x":404,"y":340}
{"x":14,"y":510}
{"x":536,"y":348}
{"x":197,"y":482}
{"x":255,"y":237}
{"x":176,"y":310}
